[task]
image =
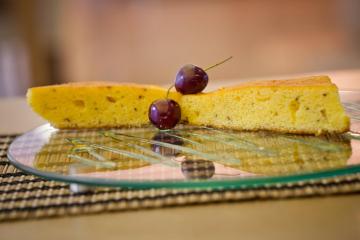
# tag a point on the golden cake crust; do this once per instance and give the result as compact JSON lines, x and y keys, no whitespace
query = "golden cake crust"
{"x":312,"y":81}
{"x":95,"y":84}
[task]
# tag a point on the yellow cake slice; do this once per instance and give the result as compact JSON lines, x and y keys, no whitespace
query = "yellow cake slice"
{"x":308,"y":105}
{"x":95,"y":104}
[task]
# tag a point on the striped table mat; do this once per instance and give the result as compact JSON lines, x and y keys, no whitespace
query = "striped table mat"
{"x":24,"y":196}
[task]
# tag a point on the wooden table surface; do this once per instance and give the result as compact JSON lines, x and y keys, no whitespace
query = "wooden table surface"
{"x":333,"y":217}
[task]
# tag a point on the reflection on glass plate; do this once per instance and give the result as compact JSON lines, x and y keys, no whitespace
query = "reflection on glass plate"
{"x":184,"y":157}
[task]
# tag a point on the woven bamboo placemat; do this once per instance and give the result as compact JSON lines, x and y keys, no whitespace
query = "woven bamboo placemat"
{"x":24,"y":196}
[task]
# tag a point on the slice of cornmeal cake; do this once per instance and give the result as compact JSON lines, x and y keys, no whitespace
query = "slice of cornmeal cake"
{"x":308,"y":105}
{"x":95,"y":104}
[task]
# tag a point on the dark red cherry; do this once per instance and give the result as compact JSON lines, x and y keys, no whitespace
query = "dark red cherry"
{"x":191,"y":79}
{"x":164,"y":113}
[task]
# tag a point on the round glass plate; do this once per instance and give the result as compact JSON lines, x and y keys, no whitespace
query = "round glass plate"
{"x":187,"y":156}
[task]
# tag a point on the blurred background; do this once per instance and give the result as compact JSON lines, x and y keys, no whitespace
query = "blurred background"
{"x":48,"y":41}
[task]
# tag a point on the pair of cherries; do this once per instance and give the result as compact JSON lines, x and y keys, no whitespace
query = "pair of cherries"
{"x":166,"y":113}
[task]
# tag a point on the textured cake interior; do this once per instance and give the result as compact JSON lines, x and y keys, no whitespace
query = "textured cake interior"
{"x":84,"y":105}
{"x":307,"y":105}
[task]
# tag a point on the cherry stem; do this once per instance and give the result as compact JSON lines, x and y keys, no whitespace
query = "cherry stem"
{"x":219,"y":63}
{"x":168,"y":91}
